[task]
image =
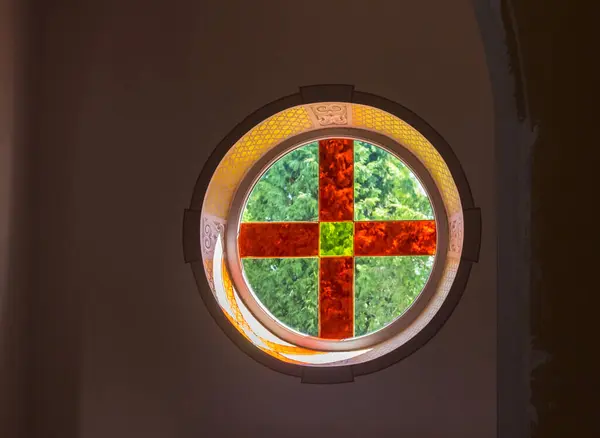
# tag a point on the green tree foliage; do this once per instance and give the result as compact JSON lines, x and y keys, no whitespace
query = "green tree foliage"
{"x":288,"y":288}
{"x":385,"y":188}
{"x":288,"y":190}
{"x":385,"y":287}
{"x":337,"y":238}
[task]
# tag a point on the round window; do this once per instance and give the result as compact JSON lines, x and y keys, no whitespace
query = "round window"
{"x":331,"y":234}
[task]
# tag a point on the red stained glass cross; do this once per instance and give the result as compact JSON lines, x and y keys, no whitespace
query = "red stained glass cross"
{"x":336,"y":204}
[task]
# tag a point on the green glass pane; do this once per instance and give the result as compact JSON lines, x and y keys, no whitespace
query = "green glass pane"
{"x":337,"y":238}
{"x":288,"y":190}
{"x":385,"y":287}
{"x":385,"y":188}
{"x":288,"y":288}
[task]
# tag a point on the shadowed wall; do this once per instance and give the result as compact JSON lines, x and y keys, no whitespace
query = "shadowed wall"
{"x":131,"y":97}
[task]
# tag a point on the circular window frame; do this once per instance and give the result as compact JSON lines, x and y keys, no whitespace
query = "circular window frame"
{"x":342,"y":371}
{"x":262,"y":314}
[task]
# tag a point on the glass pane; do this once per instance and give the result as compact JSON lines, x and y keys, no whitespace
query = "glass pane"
{"x":336,"y":195}
{"x":394,"y":238}
{"x":279,"y":239}
{"x":385,"y":287}
{"x":335,"y":298}
{"x":288,"y":190}
{"x":336,"y":238}
{"x":288,"y":289}
{"x":385,"y":188}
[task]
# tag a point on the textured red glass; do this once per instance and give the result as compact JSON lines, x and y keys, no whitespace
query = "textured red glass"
{"x":273,"y":239}
{"x":394,"y":238}
{"x":336,"y":180}
{"x":336,"y":298}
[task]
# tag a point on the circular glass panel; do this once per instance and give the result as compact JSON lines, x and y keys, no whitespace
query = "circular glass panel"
{"x":337,"y":239}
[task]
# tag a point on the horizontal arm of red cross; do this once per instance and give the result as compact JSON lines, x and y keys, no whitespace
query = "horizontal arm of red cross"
{"x":301,"y":239}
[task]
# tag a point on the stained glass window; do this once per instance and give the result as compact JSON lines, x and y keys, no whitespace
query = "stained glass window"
{"x":330,"y":234}
{"x":337,"y":238}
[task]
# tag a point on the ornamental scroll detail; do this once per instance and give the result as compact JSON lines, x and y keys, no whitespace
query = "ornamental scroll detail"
{"x":210,"y":229}
{"x":327,"y":114}
{"x":456,"y":234}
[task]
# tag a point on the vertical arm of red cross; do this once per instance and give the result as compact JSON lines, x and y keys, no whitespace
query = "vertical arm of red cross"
{"x":336,"y":204}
